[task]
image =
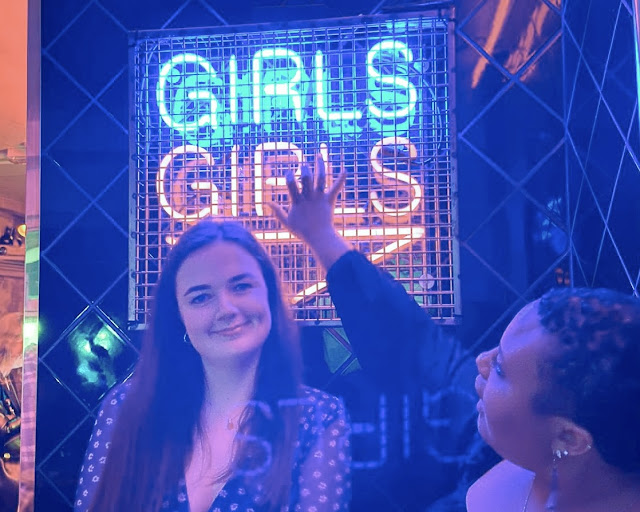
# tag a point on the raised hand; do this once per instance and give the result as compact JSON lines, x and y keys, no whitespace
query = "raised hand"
{"x":310,"y":215}
{"x":311,"y":207}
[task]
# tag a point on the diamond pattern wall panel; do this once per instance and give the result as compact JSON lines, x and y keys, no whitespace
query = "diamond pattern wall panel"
{"x":513,"y":227}
{"x":85,"y":347}
{"x":603,"y":143}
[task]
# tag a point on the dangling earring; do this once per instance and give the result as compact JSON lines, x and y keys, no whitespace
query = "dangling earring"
{"x":552,"y":501}
{"x":186,"y":339}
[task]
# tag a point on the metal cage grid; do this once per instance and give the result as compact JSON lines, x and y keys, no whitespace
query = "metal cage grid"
{"x":220,"y":116}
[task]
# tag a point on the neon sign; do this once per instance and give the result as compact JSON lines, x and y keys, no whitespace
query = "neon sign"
{"x":187,"y":101}
{"x":220,"y":118}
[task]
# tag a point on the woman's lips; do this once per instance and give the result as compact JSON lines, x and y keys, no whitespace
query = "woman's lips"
{"x":480,"y":383}
{"x":229,"y":331}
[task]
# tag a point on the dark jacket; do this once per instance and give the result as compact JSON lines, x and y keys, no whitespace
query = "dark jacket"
{"x":414,"y":419}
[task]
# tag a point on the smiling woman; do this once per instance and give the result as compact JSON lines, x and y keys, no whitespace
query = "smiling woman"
{"x":223,"y":302}
{"x":216,"y":417}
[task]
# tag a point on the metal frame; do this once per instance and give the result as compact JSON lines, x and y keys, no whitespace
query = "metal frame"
{"x":451,"y":309}
{"x":32,"y":263}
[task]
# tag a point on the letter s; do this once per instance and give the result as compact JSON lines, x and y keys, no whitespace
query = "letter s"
{"x":394,"y":180}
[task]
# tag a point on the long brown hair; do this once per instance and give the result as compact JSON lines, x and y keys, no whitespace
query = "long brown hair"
{"x":153,"y":435}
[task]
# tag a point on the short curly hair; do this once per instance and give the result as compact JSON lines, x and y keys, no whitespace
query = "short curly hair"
{"x":593,"y":376}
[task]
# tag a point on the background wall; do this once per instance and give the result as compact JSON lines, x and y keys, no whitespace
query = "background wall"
{"x":533,"y":183}
{"x":602,"y":143}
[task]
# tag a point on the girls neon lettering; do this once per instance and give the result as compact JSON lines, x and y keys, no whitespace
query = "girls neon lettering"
{"x":276,"y":77}
{"x":401,"y":182}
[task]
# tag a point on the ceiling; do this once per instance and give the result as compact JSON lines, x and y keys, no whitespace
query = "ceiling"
{"x":13,"y":99}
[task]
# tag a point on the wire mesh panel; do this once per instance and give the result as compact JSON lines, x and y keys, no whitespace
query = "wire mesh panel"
{"x":220,"y":116}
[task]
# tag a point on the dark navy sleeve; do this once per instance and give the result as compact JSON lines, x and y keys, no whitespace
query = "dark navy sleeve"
{"x":394,"y":339}
{"x":98,"y":448}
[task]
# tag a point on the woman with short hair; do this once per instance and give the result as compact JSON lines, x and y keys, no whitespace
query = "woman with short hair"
{"x":560,"y":402}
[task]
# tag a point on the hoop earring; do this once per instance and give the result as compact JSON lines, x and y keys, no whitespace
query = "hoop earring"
{"x":186,"y":339}
{"x":552,"y":501}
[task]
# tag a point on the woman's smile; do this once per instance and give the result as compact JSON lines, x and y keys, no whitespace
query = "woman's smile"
{"x":232,"y":330}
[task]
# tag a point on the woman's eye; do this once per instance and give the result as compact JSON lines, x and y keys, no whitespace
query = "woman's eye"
{"x":242,"y":287}
{"x":199,"y":299}
{"x":495,"y":365}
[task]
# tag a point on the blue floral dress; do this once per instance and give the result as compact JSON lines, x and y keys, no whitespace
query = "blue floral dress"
{"x":321,"y":477}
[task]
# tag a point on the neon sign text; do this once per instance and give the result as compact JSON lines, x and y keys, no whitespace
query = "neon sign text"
{"x":409,"y":194}
{"x":192,"y":94}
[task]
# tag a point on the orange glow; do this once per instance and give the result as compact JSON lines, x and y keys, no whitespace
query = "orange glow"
{"x":386,"y":176}
{"x":178,"y":176}
{"x":496,"y":29}
{"x":522,"y":52}
{"x":531,"y":36}
{"x":409,"y":235}
{"x":13,"y":79}
{"x":166,"y":163}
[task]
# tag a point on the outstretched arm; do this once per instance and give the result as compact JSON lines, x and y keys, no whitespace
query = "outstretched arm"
{"x":391,"y":335}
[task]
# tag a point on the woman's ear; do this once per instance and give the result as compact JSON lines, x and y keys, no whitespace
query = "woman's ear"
{"x":570,"y":437}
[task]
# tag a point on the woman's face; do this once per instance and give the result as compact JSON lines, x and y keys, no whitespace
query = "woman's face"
{"x":223,"y":301}
{"x":507,"y":382}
